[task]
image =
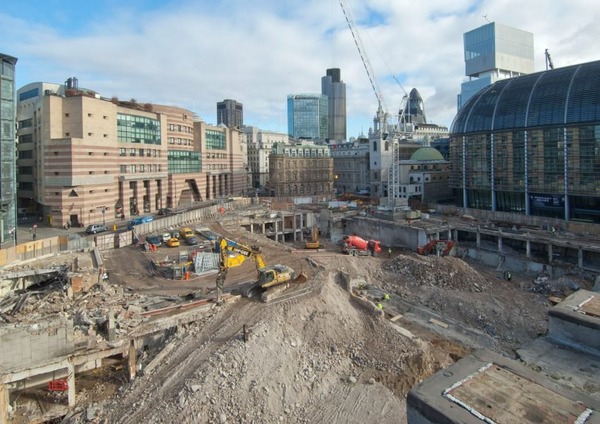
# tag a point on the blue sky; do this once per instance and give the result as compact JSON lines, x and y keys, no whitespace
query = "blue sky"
{"x":194,"y":53}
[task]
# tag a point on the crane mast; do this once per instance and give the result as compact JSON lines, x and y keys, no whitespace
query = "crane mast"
{"x":381,"y":109}
{"x":387,"y":134}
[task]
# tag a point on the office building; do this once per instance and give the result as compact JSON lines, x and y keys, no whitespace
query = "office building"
{"x":335,"y":89}
{"x":260,"y":144}
{"x":531,"y":145}
{"x":494,"y":52}
{"x":230,"y":113}
{"x":308,"y":116}
{"x":8,"y":178}
{"x":301,"y":169}
{"x":351,"y":167}
{"x":86,"y":159}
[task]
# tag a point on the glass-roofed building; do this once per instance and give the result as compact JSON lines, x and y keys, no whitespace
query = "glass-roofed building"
{"x":531,"y":145}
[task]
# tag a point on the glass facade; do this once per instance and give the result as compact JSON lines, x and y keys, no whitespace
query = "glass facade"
{"x":532,"y":145}
{"x":215,"y":140}
{"x":8,"y":177}
{"x":308,"y":116}
{"x":184,"y":162}
{"x":137,"y":129}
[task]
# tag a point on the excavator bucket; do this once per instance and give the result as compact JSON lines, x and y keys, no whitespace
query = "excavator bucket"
{"x":301,"y":278}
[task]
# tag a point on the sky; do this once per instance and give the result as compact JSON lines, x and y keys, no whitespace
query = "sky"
{"x":195,"y":53}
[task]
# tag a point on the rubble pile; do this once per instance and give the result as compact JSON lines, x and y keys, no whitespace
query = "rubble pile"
{"x":318,"y":360}
{"x":562,"y":286}
{"x":443,"y":272}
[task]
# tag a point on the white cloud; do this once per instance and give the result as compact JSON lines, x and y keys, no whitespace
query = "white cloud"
{"x":193,"y":55}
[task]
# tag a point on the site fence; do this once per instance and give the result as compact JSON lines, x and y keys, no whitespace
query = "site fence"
{"x":48,"y":246}
{"x":106,"y":241}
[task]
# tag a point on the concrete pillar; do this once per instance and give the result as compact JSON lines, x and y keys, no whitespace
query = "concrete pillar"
{"x":528,"y":247}
{"x":264,"y":229}
{"x":131,"y":360}
{"x":3,"y":403}
{"x":71,"y":384}
{"x":478,"y":238}
{"x":111,"y":328}
{"x":499,"y":243}
{"x":580,"y":258}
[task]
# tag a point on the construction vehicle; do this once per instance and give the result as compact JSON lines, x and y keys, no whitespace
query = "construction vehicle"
{"x":233,"y":254}
{"x":439,"y":247}
{"x":314,"y":240}
{"x":357,"y":246}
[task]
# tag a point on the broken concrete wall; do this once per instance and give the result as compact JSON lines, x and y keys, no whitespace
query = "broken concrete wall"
{"x":25,"y":345}
{"x":388,"y":233}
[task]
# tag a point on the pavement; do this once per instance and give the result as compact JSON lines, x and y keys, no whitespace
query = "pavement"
{"x":27,"y":230}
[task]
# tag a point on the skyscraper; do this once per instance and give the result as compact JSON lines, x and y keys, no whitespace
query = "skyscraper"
{"x":8,"y":177}
{"x":230,"y":113}
{"x":335,"y":90}
{"x":494,"y":52}
{"x":307,"y":116}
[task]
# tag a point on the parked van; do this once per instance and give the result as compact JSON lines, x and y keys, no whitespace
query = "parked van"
{"x":139,"y":220}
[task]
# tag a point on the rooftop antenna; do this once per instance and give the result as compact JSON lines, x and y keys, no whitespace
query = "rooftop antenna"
{"x":485,"y":17}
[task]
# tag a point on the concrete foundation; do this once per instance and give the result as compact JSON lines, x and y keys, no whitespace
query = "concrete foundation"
{"x":486,"y":387}
{"x":575,"y":322}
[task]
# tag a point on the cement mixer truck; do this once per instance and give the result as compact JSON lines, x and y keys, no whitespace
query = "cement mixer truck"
{"x":357,"y":246}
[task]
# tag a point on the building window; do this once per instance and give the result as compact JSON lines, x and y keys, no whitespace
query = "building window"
{"x":132,"y":169}
{"x":131,"y":152}
{"x":138,"y":129}
{"x":89,"y":115}
{"x":122,"y":152}
{"x":123,"y":169}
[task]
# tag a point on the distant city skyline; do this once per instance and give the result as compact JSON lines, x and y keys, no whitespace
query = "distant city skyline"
{"x":186,"y":54}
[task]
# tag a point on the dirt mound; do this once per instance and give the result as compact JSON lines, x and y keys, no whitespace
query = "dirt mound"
{"x":315,"y":360}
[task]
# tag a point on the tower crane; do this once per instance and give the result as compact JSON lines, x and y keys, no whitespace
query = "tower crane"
{"x":381,"y":109}
{"x":387,"y":133}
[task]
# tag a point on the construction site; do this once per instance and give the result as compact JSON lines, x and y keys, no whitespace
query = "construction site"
{"x":306,"y":313}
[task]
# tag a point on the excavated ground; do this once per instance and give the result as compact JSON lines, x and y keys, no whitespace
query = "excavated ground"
{"x":319,"y":358}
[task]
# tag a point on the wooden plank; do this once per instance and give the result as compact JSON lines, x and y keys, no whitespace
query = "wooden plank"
{"x":396,"y":318}
{"x":438,"y":323}
{"x":555,"y":300}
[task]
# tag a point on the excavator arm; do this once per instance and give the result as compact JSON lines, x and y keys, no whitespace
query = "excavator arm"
{"x":233,"y":254}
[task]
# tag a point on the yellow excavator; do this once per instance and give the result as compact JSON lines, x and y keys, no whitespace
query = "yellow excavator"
{"x":233,"y":254}
{"x":314,"y":242}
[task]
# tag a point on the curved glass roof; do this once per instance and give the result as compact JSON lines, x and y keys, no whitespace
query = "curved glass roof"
{"x":561,"y":96}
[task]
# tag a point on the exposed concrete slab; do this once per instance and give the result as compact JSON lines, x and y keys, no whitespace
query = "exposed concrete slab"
{"x":486,"y":387}
{"x":575,"y":322}
{"x":570,"y":368}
